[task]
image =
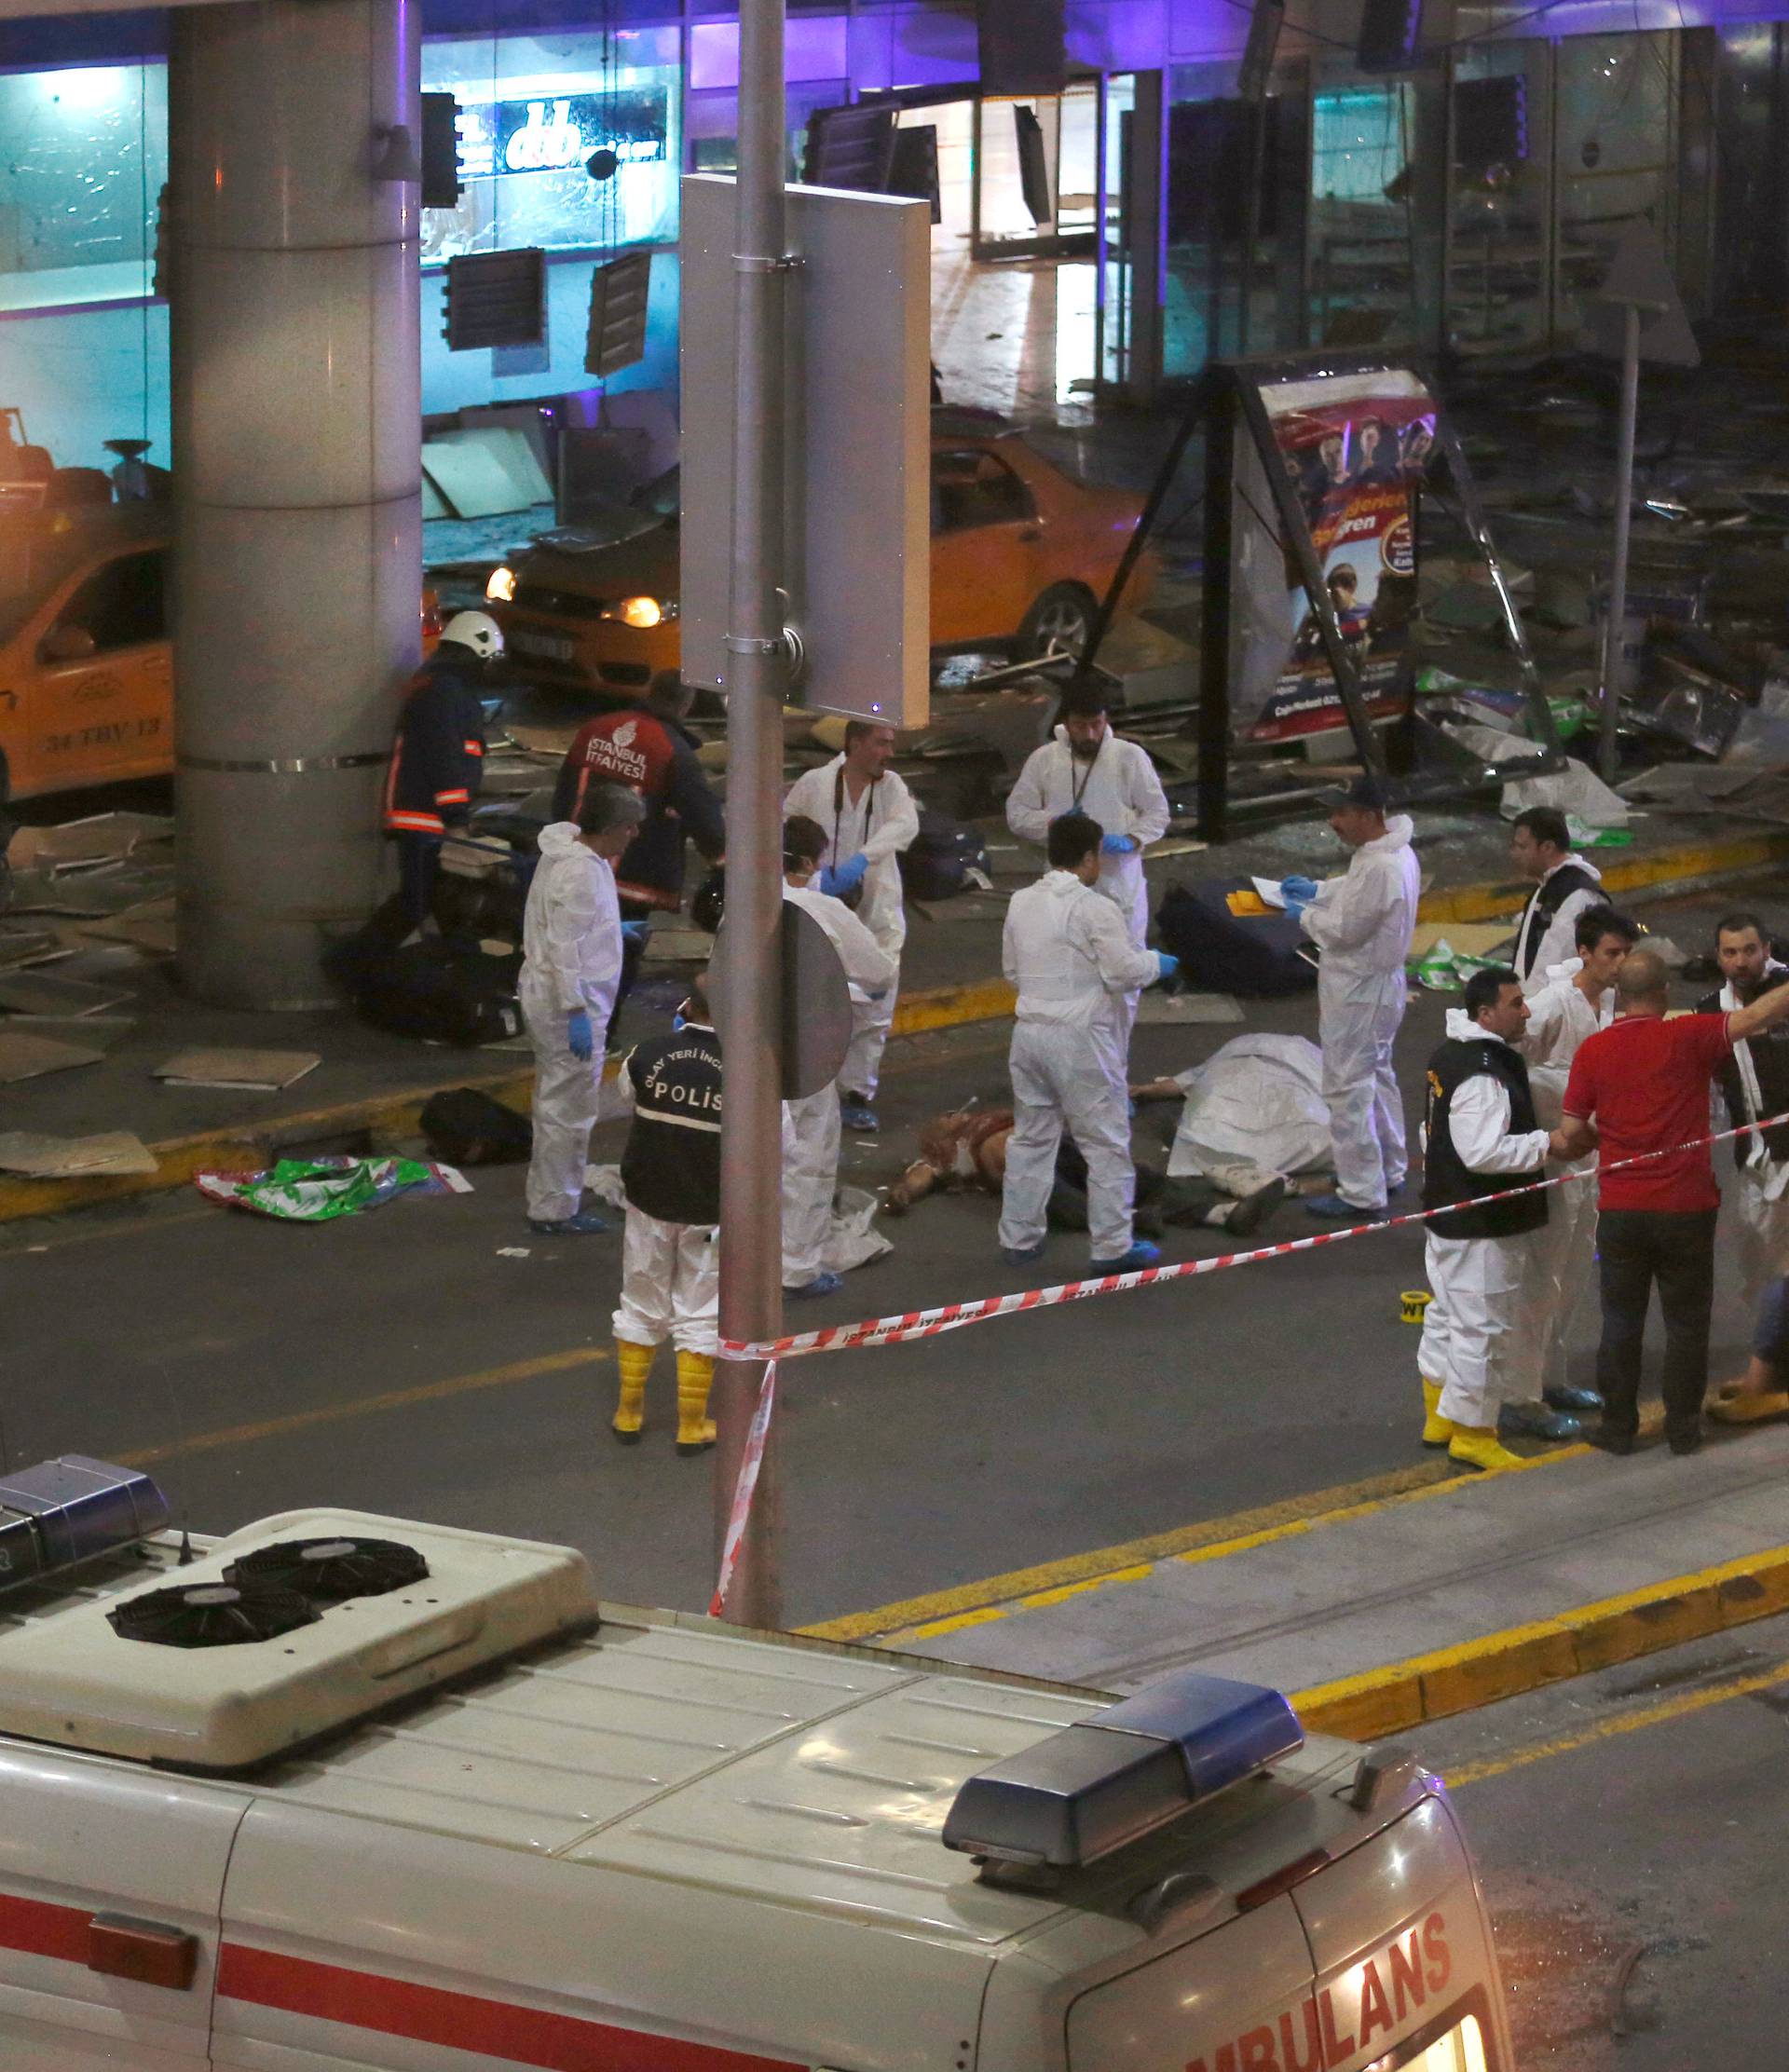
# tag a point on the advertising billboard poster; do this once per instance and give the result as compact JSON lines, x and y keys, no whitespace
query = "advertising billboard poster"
{"x":1355,"y":448}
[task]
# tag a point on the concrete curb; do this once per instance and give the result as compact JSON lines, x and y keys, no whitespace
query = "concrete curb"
{"x":1403,"y":1695}
{"x":1688,"y":866}
{"x":236,"y":1146}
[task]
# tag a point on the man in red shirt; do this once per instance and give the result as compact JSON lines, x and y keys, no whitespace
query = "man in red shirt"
{"x":1639,"y":1087}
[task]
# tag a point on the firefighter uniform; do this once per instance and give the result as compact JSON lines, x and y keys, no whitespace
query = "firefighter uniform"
{"x":671,"y":1250}
{"x":437,"y":762}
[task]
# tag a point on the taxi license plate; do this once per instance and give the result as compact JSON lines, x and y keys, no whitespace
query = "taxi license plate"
{"x":550,"y":646}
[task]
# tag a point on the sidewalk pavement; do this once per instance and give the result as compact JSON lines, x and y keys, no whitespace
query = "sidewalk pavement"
{"x":370,"y":1086}
{"x":1384,"y":1613}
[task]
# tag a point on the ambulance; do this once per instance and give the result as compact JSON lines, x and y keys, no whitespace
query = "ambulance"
{"x":340,"y":1792}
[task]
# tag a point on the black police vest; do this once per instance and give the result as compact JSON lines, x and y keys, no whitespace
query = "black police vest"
{"x":1544,"y":901}
{"x":1771,"y":1062}
{"x":1446,"y":1176}
{"x":671,"y":1168}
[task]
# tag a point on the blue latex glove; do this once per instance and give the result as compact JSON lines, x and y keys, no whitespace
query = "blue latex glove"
{"x":841,"y":879}
{"x":1304,"y":889}
{"x":580,"y":1036}
{"x":1296,"y":907}
{"x":635,"y":930}
{"x":1165,"y":966}
{"x":1118,"y":845}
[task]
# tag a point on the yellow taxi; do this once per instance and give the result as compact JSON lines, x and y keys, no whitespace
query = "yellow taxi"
{"x":1020,"y":556}
{"x":87,"y":680}
{"x":85,"y":670}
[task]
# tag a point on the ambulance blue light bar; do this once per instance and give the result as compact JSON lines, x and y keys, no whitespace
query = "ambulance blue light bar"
{"x":70,"y":1510}
{"x":1100,"y":1785}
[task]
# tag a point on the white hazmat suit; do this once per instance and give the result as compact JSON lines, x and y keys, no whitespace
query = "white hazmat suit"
{"x":1362,"y":922}
{"x":1562,"y":1253}
{"x":1068,"y":952}
{"x":811,"y":1125}
{"x":878,"y":826}
{"x":1761,"y":1198}
{"x":1469,"y":1329}
{"x":1119,"y":788}
{"x":1557,"y":930}
{"x":571,"y":958}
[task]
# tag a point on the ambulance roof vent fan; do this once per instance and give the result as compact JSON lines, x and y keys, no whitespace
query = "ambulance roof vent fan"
{"x":330,"y":1570}
{"x":211,"y":1615}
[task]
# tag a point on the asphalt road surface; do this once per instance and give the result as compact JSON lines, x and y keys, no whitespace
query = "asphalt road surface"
{"x":400,"y":1362}
{"x":1628,"y":1827}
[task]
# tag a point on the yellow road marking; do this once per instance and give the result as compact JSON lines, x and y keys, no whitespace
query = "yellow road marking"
{"x":1027,"y":1589}
{"x":367,"y":1406}
{"x":1522,"y":1659}
{"x":1679,"y":1708}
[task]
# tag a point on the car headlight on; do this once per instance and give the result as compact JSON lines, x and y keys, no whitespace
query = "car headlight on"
{"x":500,"y":588}
{"x":643,"y":612}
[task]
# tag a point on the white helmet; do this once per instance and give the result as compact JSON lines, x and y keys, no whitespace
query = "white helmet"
{"x":476,"y":630}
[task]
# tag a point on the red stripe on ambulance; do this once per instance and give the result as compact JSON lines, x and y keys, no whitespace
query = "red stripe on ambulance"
{"x":463,"y":2021}
{"x":39,"y":1929}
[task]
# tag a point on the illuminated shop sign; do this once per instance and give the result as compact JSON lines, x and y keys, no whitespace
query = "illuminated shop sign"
{"x":557,"y":133}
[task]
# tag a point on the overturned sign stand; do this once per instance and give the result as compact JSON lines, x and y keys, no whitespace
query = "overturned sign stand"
{"x":1316,"y":470}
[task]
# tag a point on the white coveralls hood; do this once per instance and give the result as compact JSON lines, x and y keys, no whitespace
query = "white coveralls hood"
{"x":1543,"y":939}
{"x":879,"y":824}
{"x":1471,"y":1328}
{"x":811,"y":1125}
{"x":1362,"y":924}
{"x":571,"y":958}
{"x":1119,"y":788}
{"x":1067,"y":951}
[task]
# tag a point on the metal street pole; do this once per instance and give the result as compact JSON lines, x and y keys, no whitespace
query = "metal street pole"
{"x":1613,"y":659}
{"x":751,"y":1146}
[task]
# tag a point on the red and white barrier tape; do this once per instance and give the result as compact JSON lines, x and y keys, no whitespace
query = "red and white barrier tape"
{"x":746,"y":1486}
{"x":953,"y":1317}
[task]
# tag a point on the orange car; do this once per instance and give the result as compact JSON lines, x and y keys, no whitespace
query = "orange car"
{"x":1020,"y":556}
{"x":87,"y":680}
{"x":86,"y":669}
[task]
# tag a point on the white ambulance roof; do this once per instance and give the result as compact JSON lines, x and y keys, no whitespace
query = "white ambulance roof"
{"x":668,"y":1748}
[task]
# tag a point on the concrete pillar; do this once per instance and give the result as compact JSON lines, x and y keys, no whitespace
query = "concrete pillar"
{"x":297,"y":429}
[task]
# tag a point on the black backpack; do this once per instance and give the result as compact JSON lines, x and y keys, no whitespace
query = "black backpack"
{"x":467,"y":1127}
{"x":443,"y":991}
{"x":936,"y":863}
{"x":1223,"y":952}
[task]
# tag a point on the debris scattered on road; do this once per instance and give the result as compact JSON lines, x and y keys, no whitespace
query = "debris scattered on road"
{"x":72,"y":998}
{"x":323,"y":1189}
{"x":31,"y":1056}
{"x":248,"y":1071}
{"x":36,"y":1156}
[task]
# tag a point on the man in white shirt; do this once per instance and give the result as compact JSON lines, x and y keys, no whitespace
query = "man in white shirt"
{"x":1361,"y":922}
{"x":869,"y":818}
{"x":811,"y":1125}
{"x":1576,"y":1001}
{"x":572,"y":966}
{"x":1085,"y":769}
{"x":1480,"y":1138}
{"x":1540,"y":847}
{"x":1067,"y":951}
{"x":1753,"y":1084}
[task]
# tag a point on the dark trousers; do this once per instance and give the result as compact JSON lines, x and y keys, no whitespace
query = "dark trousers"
{"x":419,"y":864}
{"x":1640,"y":1248}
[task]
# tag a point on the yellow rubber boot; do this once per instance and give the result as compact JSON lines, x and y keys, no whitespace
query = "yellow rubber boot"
{"x":1436,"y":1429}
{"x":1477,"y":1446}
{"x":695,"y":1427}
{"x":635,"y":1364}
